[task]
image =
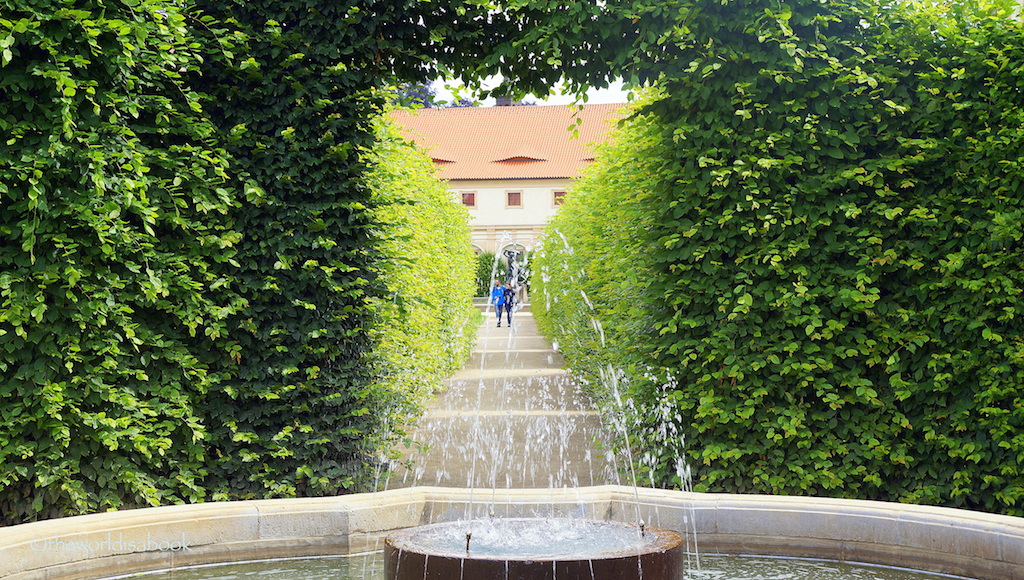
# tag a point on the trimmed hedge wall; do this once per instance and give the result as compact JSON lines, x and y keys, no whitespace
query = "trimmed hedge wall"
{"x":813,"y":276}
{"x":113,"y":197}
{"x":192,"y":273}
{"x":425,"y":325}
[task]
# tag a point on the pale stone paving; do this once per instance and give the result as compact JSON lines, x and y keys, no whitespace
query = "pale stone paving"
{"x":511,"y":418}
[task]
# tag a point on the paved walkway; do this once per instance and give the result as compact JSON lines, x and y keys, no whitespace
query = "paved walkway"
{"x":512,"y":418}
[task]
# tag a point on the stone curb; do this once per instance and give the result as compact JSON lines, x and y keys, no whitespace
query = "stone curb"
{"x":941,"y":540}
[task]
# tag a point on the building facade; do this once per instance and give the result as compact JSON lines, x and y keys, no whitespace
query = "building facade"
{"x":510,"y":166}
{"x":509,"y":213}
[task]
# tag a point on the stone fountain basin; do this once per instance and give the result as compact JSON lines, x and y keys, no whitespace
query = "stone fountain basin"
{"x":534,"y":549}
{"x":939,"y":540}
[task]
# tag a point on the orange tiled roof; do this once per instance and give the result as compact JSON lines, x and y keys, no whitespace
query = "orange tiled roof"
{"x":521,"y":142}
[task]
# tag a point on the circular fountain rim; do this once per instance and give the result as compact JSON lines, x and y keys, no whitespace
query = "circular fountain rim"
{"x":939,"y":540}
{"x":656,"y":540}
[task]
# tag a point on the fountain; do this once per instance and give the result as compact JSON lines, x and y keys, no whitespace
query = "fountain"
{"x":514,"y":418}
{"x":940,"y":540}
{"x":533,"y":549}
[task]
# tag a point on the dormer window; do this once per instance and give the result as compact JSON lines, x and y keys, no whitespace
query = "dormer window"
{"x":519,"y":159}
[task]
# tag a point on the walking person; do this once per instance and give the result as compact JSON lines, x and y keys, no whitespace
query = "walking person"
{"x":498,"y":300}
{"x":510,"y":300}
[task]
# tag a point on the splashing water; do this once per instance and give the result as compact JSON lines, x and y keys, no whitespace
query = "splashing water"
{"x":516,"y":537}
{"x":513,"y":418}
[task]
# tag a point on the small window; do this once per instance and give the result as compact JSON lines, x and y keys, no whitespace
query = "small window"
{"x":513,"y":199}
{"x":469,"y":198}
{"x":557,"y":198}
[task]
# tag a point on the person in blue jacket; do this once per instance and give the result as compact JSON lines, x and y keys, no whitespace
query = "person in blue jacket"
{"x":510,"y":300}
{"x":498,"y":299}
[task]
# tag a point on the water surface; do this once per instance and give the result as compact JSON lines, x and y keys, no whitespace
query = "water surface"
{"x":371,"y":567}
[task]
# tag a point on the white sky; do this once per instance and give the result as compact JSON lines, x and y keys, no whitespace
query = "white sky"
{"x":612,"y":94}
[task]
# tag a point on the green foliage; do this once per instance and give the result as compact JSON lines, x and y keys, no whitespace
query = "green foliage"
{"x":583,"y":44}
{"x":425,"y":326}
{"x":830,"y":269}
{"x":814,"y":263}
{"x":593,"y":265}
{"x":190,"y":269}
{"x":486,"y":265}
{"x":590,"y":288}
{"x":111,"y":218}
{"x":293,"y":126}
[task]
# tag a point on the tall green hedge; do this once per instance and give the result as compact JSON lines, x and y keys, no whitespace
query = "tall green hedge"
{"x":594,"y":262}
{"x":113,"y":195}
{"x":827,"y":299}
{"x":486,"y":268}
{"x":293,"y":128}
{"x":188,"y":266}
{"x":424,"y":326}
{"x":591,"y":293}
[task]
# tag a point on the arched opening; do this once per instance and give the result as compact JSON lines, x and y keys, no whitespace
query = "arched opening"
{"x":517,"y":271}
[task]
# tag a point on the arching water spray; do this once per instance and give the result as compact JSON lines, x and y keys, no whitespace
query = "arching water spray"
{"x":622,"y":413}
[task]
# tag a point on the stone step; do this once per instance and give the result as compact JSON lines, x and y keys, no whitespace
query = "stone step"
{"x":470,"y":374}
{"x":510,"y":418}
{"x":494,"y":337}
{"x":486,"y":308}
{"x":515,"y":359}
{"x":510,"y":393}
{"x":518,"y":451}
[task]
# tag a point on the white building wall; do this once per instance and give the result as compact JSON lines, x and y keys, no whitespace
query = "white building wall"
{"x":495,"y":225}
